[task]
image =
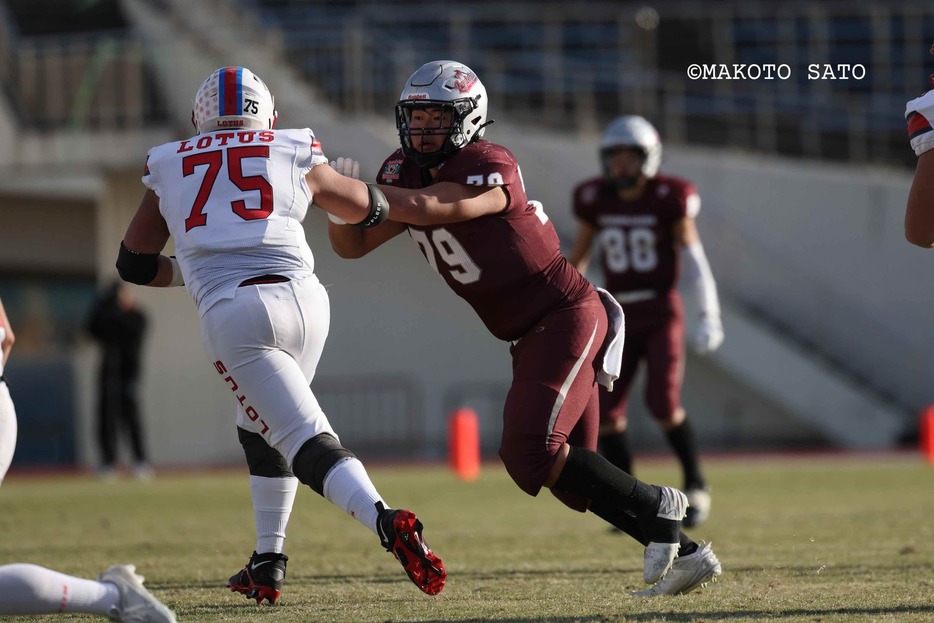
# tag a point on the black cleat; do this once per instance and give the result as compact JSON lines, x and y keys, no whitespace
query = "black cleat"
{"x":261,"y":578}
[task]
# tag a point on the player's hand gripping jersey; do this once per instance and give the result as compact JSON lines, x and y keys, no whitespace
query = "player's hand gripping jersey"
{"x":234,"y":203}
{"x":508,"y":266}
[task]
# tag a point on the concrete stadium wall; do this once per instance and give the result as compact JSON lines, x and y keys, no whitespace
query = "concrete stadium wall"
{"x":392,"y":315}
{"x":839,"y":229}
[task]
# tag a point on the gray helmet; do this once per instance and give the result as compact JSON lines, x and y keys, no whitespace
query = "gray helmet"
{"x":450,"y":86}
{"x":632,"y":132}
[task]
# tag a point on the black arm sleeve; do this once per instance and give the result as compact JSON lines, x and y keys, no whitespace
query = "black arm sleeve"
{"x":138,"y":268}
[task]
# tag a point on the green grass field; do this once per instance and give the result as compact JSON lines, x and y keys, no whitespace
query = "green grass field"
{"x":801,"y":540}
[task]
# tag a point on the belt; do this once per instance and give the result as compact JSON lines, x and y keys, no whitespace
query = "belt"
{"x":255,"y":281}
{"x":635,"y":296}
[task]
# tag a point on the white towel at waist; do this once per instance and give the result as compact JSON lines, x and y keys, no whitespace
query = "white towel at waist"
{"x":615,"y":336}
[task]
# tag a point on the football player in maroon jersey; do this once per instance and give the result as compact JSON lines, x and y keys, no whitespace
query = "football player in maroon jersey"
{"x":501,"y":254}
{"x":642,"y":221}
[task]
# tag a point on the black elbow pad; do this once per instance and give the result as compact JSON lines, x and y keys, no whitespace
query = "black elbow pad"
{"x":138,"y":268}
{"x":379,"y":208}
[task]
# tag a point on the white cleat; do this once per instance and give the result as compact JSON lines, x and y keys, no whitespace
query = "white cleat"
{"x":659,"y":557}
{"x":698,"y":507}
{"x":137,"y":605}
{"x":657,"y":560}
{"x":686,"y":574}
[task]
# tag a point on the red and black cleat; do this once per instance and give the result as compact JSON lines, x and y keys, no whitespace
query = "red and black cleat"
{"x":261,"y":578}
{"x":400,"y":533}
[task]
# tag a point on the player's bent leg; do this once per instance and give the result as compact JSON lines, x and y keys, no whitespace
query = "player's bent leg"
{"x":335,"y":473}
{"x":658,"y":511}
{"x":272,"y":490}
{"x":316,"y":458}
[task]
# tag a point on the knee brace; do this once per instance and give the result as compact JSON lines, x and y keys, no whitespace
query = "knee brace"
{"x":316,"y":458}
{"x":262,"y":459}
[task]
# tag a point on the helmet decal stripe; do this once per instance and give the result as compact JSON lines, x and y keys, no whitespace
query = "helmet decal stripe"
{"x":230,"y":91}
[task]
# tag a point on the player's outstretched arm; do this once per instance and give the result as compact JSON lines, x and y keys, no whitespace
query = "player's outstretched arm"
{"x":919,"y":215}
{"x":140,"y":258}
{"x":343,"y":196}
{"x":350,"y":241}
{"x":445,"y":202}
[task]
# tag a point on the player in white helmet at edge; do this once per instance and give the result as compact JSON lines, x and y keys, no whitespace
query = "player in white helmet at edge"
{"x":644,"y":224}
{"x":7,"y":410}
{"x":233,"y":198}
{"x":919,"y":211}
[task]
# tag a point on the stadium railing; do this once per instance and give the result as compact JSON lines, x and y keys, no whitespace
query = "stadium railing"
{"x":564,"y":65}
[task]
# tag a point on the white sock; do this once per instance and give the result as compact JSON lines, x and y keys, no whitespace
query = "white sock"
{"x":348,"y":486}
{"x":272,"y":506}
{"x":7,"y":430}
{"x":30,"y":589}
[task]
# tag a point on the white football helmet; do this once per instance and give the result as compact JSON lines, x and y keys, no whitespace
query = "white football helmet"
{"x":233,"y":98}
{"x":632,"y":132}
{"x":447,"y":85}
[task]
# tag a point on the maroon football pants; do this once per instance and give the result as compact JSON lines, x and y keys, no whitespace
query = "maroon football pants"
{"x":657,"y":339}
{"x":553,"y":399}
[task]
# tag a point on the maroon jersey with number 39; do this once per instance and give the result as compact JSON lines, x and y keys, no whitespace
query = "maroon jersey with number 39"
{"x":508,"y":266}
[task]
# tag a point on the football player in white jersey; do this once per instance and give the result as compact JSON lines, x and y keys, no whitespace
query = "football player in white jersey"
{"x":7,"y":412}
{"x":233,"y":198}
{"x":919,"y":214}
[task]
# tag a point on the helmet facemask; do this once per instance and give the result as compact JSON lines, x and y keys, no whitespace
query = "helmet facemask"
{"x":452,"y":90}
{"x":454,"y":112}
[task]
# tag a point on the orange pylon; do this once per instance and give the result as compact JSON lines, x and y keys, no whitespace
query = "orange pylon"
{"x":464,"y":443}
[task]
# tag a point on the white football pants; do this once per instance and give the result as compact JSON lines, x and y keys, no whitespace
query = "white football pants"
{"x":265,"y":344}
{"x":7,"y":430}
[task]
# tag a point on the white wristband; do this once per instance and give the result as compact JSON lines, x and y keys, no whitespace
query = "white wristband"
{"x":177,"y":278}
{"x":336,"y":219}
